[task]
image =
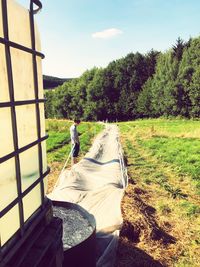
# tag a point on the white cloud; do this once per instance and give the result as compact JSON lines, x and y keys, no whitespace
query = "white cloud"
{"x":108,"y":33}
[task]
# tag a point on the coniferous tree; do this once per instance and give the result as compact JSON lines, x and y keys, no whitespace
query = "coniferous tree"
{"x":178,"y":48}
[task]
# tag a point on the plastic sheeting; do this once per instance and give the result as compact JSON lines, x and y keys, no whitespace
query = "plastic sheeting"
{"x":97,"y":184}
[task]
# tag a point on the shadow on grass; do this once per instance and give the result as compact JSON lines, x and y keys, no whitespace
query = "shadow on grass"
{"x":130,"y":256}
{"x":141,"y":228}
{"x":155,"y":231}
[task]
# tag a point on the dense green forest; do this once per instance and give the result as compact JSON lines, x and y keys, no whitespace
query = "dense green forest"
{"x":50,"y":82}
{"x":136,"y":86}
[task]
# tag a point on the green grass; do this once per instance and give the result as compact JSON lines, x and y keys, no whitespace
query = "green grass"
{"x":176,"y":142}
{"x":58,"y":143}
{"x":164,"y":127}
{"x":57,"y":140}
{"x":163,"y":157}
{"x":189,"y":209}
{"x":183,"y":153}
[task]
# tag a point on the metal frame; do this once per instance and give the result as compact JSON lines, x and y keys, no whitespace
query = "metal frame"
{"x":20,"y":103}
{"x":40,"y":217}
{"x":22,"y":149}
{"x":21,"y":47}
{"x":38,"y":122}
{"x":12,"y":105}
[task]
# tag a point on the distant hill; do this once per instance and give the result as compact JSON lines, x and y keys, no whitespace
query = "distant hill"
{"x":50,"y":82}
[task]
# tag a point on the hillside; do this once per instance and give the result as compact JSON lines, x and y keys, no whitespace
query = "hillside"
{"x":50,"y":82}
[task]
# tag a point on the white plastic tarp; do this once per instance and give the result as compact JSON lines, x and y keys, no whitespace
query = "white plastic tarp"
{"x":97,"y":184}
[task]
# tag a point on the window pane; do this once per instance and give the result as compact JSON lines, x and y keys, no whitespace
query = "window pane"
{"x":32,"y":202}
{"x":8,"y":185}
{"x":22,"y":74}
{"x":4,"y":92}
{"x":26,"y":124}
{"x":9,"y":224}
{"x":6,"y":137}
{"x":22,"y":21}
{"x":29,"y":166}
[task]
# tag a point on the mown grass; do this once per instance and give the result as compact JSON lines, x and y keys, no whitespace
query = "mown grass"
{"x":183,"y":153}
{"x":163,"y":157}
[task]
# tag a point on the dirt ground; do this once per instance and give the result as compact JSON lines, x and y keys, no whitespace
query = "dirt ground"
{"x":144,"y":240}
{"x":53,"y":176}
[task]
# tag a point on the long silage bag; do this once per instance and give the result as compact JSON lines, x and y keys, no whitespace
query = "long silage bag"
{"x":97,"y":184}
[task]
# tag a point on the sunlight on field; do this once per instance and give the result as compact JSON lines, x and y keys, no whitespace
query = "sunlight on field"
{"x":174,"y":141}
{"x":163,"y":159}
{"x":164,"y":127}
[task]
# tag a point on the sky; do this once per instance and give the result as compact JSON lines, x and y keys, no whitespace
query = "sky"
{"x":77,"y":35}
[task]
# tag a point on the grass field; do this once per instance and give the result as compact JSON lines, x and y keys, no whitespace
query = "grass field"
{"x":161,"y":206}
{"x":59,"y":144}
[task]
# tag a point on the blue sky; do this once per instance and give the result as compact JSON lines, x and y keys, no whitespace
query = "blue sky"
{"x":79,"y":34}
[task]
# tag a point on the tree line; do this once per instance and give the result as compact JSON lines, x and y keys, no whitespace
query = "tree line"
{"x":137,"y":86}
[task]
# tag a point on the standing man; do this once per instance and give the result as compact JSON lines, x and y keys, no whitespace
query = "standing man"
{"x":75,"y":141}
